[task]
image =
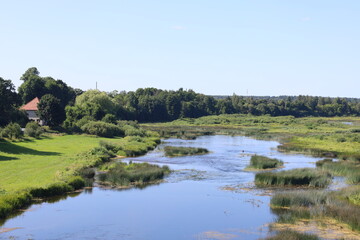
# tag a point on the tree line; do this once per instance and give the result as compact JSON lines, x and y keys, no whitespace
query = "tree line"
{"x":62,"y":105}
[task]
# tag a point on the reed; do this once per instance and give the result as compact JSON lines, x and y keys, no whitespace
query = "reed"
{"x":133,"y":174}
{"x":262,"y":162}
{"x":306,"y":177}
{"x":183,"y":151}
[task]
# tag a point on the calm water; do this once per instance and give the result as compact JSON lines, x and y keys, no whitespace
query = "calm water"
{"x":207,"y":197}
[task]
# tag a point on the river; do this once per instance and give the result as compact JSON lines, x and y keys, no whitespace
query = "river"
{"x":206,"y":197}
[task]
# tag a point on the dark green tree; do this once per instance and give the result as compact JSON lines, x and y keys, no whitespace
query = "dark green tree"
{"x":30,"y":73}
{"x":51,"y":111}
{"x":9,"y":101}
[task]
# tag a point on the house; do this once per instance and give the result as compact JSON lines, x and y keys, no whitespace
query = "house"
{"x":31,"y":109}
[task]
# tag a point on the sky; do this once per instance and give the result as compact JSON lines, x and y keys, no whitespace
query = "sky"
{"x":246,"y":47}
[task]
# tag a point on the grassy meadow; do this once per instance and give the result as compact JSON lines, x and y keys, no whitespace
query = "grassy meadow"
{"x":54,"y":158}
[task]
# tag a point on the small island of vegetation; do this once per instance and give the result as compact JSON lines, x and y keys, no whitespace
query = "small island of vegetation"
{"x":305,"y":177}
{"x":264,"y":163}
{"x":171,"y":151}
{"x":132,"y":174}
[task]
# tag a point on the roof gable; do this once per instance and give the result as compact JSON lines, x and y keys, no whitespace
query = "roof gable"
{"x":31,"y":106}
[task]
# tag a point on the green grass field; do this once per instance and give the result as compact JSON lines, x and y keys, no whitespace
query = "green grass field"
{"x":40,"y":162}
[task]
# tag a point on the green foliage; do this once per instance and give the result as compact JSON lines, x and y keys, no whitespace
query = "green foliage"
{"x":12,"y":202}
{"x":76,"y":182}
{"x":262,"y":162}
{"x":33,"y":129}
{"x":9,"y":102}
{"x":103,"y":129}
{"x":36,"y":86}
{"x":292,"y":235}
{"x":12,"y":131}
{"x":109,"y":118}
{"x":135,"y":173}
{"x":50,"y":110}
{"x":133,"y":131}
{"x":171,"y":151}
{"x":52,"y":190}
{"x":33,"y":71}
{"x":297,"y":177}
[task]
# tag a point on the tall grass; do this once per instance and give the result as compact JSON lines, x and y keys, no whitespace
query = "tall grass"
{"x":314,"y":204}
{"x":171,"y":151}
{"x":123,"y":174}
{"x":348,"y":169}
{"x":262,"y":162}
{"x":297,"y":177}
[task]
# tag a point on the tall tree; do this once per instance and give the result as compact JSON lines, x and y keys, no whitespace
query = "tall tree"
{"x":50,"y":110}
{"x":9,"y":100}
{"x":31,"y":72}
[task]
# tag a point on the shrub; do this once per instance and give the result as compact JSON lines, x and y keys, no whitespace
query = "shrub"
{"x":33,"y":129}
{"x":76,"y":182}
{"x":12,"y":202}
{"x":12,"y":131}
{"x":86,"y":172}
{"x":52,"y":190}
{"x":109,"y":118}
{"x":133,"y":131}
{"x":183,"y":151}
{"x":102,"y":129}
{"x":296,"y":177}
{"x":261,"y":162}
{"x":84,"y":121}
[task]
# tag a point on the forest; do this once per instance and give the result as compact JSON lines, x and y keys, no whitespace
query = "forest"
{"x":70,"y":109}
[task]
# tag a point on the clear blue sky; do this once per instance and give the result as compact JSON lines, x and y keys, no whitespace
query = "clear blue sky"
{"x":268,"y":47}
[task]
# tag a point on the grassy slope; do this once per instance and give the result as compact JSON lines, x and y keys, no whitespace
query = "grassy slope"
{"x":37,"y":163}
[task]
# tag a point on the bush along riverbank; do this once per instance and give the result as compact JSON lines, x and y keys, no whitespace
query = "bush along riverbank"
{"x":263,"y":163}
{"x":75,"y":175}
{"x":184,"y":151}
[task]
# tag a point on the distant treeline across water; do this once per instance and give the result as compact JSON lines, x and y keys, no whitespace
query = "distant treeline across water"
{"x":60,"y":102}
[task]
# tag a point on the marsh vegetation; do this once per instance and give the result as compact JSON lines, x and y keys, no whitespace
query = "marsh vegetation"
{"x":262,"y":163}
{"x":132,"y":174}
{"x":171,"y":151}
{"x":305,"y":177}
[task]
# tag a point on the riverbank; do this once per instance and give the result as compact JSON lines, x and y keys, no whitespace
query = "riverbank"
{"x":46,"y":167}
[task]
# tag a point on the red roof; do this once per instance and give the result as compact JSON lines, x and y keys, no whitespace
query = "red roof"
{"x":31,"y":106}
